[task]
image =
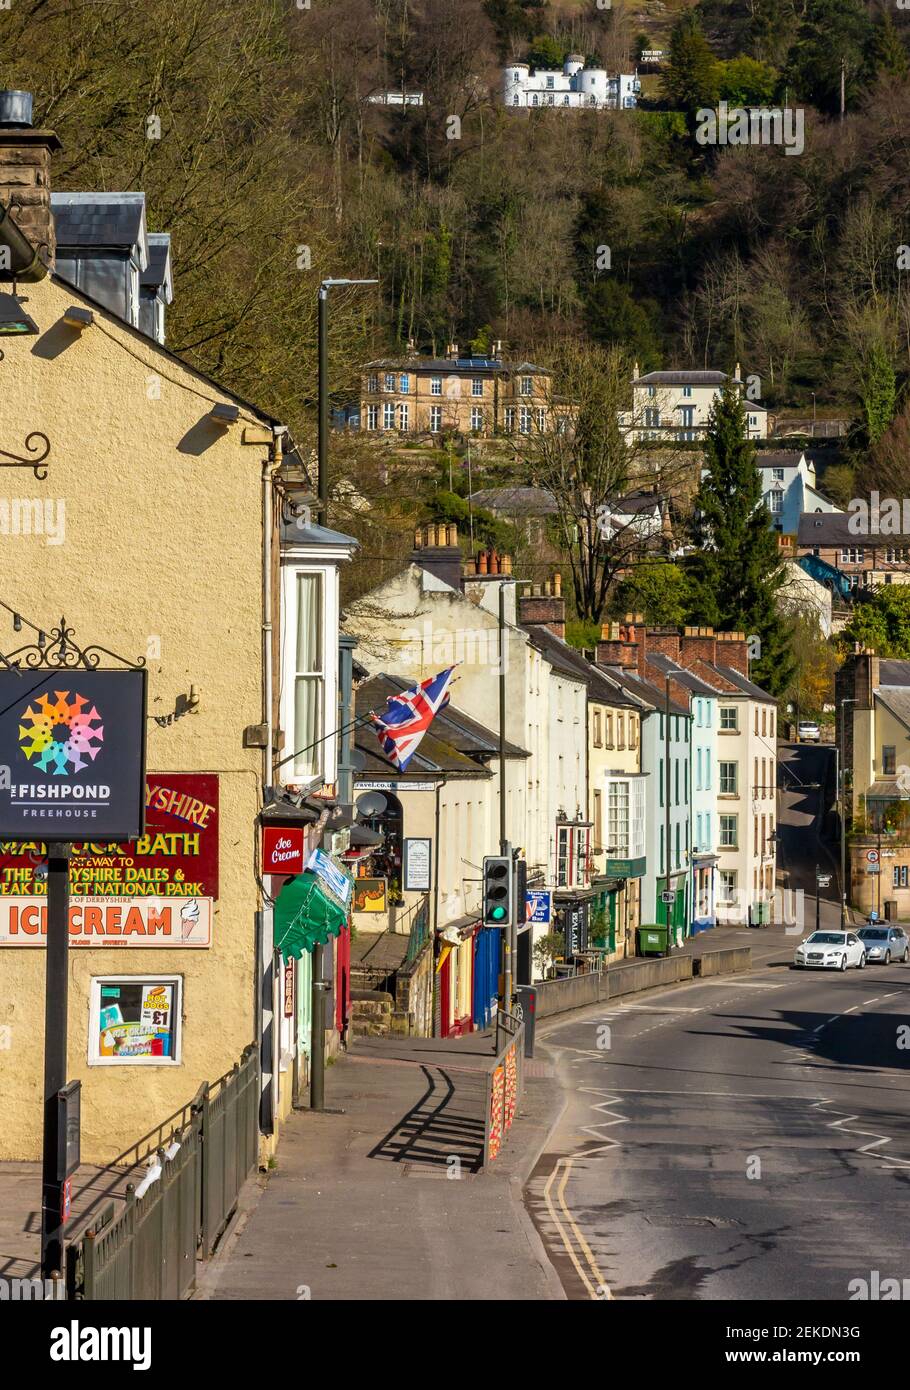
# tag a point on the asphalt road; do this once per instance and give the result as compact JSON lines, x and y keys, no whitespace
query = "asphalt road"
{"x":741,"y":1138}
{"x":806,"y":792}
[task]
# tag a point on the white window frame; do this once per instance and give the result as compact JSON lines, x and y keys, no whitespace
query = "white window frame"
{"x":404,"y":416}
{"x":476,"y":417}
{"x":435,"y":419}
{"x":372,"y":417}
{"x":728,"y":763}
{"x":725,"y":842}
{"x":388,"y":415}
{"x":435,"y":385}
{"x":510,"y":419}
{"x":525,"y":386}
{"x":150,"y":976}
{"x":325,"y":753}
{"x":389,"y":383}
{"x":476,"y":385}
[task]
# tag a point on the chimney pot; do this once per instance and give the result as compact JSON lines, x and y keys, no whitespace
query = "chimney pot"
{"x":15,"y":109}
{"x":505,"y":564}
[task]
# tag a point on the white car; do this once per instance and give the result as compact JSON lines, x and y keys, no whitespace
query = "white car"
{"x":808,"y":732}
{"x":830,"y":950}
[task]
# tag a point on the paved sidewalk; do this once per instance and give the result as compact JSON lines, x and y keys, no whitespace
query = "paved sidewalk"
{"x":362,"y":1205}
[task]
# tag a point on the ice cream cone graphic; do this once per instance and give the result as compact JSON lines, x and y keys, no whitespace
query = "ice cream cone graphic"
{"x":189,"y":918}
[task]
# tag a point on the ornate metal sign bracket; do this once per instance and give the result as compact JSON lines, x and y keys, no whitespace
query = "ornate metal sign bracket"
{"x":58,"y":652}
{"x":35,"y":443}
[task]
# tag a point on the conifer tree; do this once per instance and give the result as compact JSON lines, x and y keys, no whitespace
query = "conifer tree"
{"x":736,"y":569}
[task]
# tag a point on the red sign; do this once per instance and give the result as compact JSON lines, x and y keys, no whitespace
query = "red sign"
{"x":66,"y":1201}
{"x":157,"y":890}
{"x":282,"y":849}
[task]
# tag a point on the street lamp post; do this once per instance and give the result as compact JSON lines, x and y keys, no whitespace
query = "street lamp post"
{"x":322,"y":443}
{"x":841,"y":778}
{"x":319,"y":986}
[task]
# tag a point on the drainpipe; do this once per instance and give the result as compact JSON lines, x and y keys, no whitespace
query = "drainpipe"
{"x":267,"y":1023}
{"x":26,"y":265}
{"x":439,"y":787}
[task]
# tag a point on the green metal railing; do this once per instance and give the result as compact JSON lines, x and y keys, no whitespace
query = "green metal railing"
{"x":149,"y":1248}
{"x":420,"y":930}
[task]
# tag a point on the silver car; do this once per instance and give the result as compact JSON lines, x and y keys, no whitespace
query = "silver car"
{"x":830,"y":950}
{"x":885,"y":944}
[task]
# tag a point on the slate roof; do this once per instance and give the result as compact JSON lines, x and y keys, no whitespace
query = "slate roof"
{"x":571,"y":662}
{"x":642,"y":691}
{"x":157,"y":273}
{"x":833,"y":528}
{"x":291,"y":534}
{"x":746,"y":686}
{"x":454,"y":743}
{"x":896,"y":698}
{"x":101,"y":220}
{"x":455,"y":364}
{"x":684,"y":379}
{"x":891,"y":672}
{"x":778,"y":458}
{"x":689,"y":679}
{"x":518,"y":501}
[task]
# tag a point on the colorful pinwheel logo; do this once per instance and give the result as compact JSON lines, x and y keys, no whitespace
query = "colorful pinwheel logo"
{"x":60,"y":735}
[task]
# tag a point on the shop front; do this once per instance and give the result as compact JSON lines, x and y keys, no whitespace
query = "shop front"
{"x":455,"y":978}
{"x":704,"y":876}
{"x":615,"y":909}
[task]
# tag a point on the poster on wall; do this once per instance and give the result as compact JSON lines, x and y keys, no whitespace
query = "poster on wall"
{"x":417,"y":864}
{"x":133,"y":1020}
{"x":158,"y":890}
{"x":72,"y":750}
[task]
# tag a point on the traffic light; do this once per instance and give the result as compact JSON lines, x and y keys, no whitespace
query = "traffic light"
{"x":497,"y":890}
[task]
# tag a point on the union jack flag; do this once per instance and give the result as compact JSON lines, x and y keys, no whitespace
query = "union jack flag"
{"x":408,"y":716}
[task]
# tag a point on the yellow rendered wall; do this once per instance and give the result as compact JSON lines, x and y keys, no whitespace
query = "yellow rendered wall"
{"x":162,"y":540}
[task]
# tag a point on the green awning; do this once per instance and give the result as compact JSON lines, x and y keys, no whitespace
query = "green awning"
{"x":305,"y":916}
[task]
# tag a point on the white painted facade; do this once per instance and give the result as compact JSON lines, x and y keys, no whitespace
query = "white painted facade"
{"x":677,"y":406}
{"x":746,"y":802}
{"x":573,"y":86}
{"x":414,"y":625}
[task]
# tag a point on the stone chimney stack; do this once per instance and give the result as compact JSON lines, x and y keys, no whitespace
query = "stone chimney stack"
{"x":437,"y":551}
{"x":547,"y":609}
{"x":25,"y":173}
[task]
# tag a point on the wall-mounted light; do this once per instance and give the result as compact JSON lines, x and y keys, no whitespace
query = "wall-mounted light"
{"x":225,"y":415}
{"x":78,"y":318}
{"x":14,"y":321}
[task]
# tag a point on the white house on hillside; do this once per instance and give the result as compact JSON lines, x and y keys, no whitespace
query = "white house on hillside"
{"x":575,"y":85}
{"x":677,"y":405}
{"x":789,"y":488}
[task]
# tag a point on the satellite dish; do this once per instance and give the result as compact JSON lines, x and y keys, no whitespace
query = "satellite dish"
{"x":371,"y":804}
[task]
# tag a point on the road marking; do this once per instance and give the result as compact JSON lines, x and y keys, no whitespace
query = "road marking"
{"x":891,"y":1160}
{"x":665,"y":1008}
{"x":601,"y":1288}
{"x":744,"y":984}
